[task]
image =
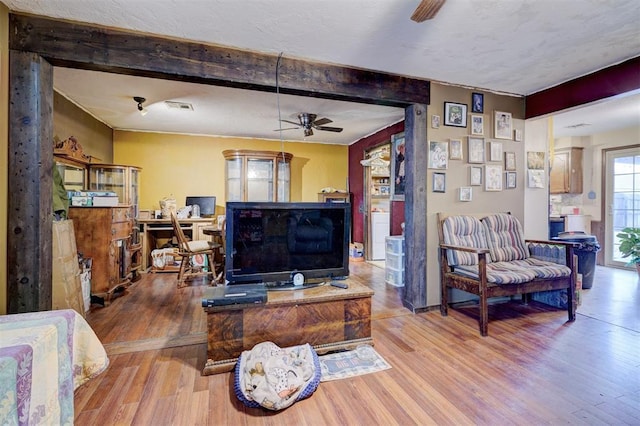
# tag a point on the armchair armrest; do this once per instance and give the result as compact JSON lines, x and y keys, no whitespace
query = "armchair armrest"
{"x":554,"y":242}
{"x":463,"y":248}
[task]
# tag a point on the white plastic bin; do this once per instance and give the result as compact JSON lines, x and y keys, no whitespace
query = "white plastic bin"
{"x":394,"y":277}
{"x":395,"y":244}
{"x":395,"y":261}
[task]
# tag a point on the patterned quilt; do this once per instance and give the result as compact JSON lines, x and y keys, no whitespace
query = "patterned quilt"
{"x":44,"y":357}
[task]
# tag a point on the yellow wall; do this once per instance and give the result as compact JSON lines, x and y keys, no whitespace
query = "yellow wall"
{"x":94,"y":136}
{"x":4,"y":144}
{"x":181,"y":165}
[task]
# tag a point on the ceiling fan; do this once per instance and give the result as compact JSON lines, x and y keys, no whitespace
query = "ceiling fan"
{"x":427,"y":9}
{"x":308,"y":122}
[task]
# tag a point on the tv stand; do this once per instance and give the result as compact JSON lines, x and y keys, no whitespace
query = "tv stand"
{"x":327,"y":317}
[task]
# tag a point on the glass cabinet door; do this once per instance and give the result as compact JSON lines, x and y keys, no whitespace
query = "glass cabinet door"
{"x":257,"y":175}
{"x":234,"y":179}
{"x":284,"y":181}
{"x":112,"y":179}
{"x":74,"y":177}
{"x":259,"y":180}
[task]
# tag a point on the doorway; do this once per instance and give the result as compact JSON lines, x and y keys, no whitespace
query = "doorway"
{"x":622,"y":200}
{"x":377,"y":188}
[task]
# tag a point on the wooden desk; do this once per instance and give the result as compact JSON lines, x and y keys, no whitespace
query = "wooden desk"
{"x":157,"y":230}
{"x":327,"y":317}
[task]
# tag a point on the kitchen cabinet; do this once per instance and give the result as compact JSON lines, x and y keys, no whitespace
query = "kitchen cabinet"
{"x":103,"y":234}
{"x":566,"y":172}
{"x":257,"y":175}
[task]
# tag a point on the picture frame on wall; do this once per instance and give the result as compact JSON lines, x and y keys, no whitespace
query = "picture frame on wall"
{"x":455,"y":114}
{"x":465,"y":193}
{"x":475,"y":176}
{"x":439,"y":183}
{"x":510,"y":161}
{"x":510,"y":180}
{"x":477,"y":102}
{"x":435,"y":121}
{"x":438,"y":155}
{"x":503,"y":128}
{"x":493,"y":177}
{"x":475,"y":148}
{"x":397,"y":166}
{"x":495,"y":151}
{"x":455,"y":149}
{"x":477,"y":125}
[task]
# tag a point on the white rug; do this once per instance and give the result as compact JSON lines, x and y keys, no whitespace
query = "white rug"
{"x":362,"y":360}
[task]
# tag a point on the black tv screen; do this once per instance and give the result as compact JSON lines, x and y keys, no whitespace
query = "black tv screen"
{"x":207,"y":204}
{"x":273,"y":242}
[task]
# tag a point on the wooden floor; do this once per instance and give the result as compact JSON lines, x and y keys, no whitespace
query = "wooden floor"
{"x":533,"y":368}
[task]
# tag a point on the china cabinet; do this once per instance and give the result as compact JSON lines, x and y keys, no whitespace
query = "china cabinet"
{"x":124,"y":181}
{"x":257,"y":175}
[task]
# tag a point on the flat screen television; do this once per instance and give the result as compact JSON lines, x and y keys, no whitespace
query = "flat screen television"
{"x":207,"y":204}
{"x":287,"y":245}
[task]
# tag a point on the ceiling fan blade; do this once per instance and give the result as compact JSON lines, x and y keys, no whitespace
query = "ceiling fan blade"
{"x":329,"y":129}
{"x":288,"y":128}
{"x":291,"y":122}
{"x":426,"y":10}
{"x":322,"y":122}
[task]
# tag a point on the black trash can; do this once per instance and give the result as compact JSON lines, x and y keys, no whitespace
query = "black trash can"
{"x":586,"y":251}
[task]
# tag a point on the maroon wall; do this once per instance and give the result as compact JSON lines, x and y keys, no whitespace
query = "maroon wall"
{"x":608,"y":82}
{"x":356,"y":181}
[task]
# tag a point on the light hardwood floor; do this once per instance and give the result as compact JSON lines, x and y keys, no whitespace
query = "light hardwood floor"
{"x":533,"y":368}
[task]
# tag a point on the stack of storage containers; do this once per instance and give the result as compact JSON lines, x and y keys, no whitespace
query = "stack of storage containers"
{"x":394,"y":265}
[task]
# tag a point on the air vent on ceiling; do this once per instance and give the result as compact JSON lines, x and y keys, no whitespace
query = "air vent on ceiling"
{"x":575,"y":126}
{"x":179,"y":105}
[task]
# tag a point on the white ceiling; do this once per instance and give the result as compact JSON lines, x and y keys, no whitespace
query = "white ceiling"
{"x":507,"y":46}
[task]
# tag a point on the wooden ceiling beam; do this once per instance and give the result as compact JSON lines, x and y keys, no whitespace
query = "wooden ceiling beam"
{"x":85,"y":46}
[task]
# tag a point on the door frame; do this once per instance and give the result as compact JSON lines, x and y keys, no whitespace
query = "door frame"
{"x":607,"y":182}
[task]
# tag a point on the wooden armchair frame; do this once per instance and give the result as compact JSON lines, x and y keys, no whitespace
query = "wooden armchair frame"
{"x":485,"y":290}
{"x":186,"y":251}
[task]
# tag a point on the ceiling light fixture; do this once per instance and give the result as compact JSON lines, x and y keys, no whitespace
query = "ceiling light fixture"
{"x":140,"y":100}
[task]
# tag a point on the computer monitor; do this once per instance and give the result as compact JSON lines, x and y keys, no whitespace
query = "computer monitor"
{"x":207,"y":204}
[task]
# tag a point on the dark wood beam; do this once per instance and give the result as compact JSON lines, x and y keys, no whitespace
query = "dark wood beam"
{"x":603,"y":84}
{"x":30,"y":173}
{"x":85,"y":46}
{"x":415,"y":207}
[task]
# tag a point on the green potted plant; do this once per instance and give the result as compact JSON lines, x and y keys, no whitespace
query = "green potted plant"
{"x":630,"y":245}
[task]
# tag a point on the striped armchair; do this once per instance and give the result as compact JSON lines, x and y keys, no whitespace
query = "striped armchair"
{"x":487,"y":255}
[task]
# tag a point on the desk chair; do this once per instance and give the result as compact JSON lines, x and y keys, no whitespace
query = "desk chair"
{"x":187,"y":249}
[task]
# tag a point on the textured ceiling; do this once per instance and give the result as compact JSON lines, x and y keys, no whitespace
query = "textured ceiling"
{"x":506,"y":46}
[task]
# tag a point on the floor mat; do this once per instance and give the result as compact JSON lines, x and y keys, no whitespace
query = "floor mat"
{"x":362,"y":360}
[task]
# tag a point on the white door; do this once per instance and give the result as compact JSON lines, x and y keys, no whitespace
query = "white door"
{"x":622,"y":179}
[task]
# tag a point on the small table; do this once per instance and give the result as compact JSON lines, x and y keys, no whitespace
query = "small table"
{"x":327,"y":317}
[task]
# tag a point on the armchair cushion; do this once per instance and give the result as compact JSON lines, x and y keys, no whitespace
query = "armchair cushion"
{"x":466,"y":231}
{"x":498,"y":273}
{"x":505,"y":238}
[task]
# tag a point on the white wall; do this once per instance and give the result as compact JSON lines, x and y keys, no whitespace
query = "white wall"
{"x":536,"y":200}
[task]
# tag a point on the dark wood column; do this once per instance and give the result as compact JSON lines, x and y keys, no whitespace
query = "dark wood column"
{"x":415,"y":207}
{"x":30,"y":183}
